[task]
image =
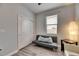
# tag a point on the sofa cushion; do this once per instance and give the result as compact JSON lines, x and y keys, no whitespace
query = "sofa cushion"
{"x":44,"y":44}
{"x":54,"y":38}
{"x":43,"y":39}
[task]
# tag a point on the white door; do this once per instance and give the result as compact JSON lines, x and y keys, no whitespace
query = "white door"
{"x":25,"y":31}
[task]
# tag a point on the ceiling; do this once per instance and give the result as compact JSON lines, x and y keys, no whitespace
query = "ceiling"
{"x":43,"y":7}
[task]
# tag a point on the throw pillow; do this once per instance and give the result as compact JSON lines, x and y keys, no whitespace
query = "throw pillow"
{"x":47,"y":40}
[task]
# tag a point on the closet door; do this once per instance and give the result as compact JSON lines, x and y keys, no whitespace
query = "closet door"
{"x":25,"y":31}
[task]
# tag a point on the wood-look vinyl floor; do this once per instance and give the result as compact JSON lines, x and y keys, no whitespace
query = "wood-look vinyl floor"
{"x":33,"y":50}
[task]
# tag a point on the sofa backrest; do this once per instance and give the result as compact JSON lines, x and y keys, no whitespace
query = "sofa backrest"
{"x":54,"y":38}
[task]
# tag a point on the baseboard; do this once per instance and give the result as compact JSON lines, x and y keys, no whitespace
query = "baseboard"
{"x":10,"y":54}
{"x":24,"y":45}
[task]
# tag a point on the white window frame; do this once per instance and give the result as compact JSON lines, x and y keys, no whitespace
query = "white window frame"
{"x":52,"y":24}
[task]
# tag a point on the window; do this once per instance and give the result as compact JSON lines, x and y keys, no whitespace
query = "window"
{"x":51,"y":22}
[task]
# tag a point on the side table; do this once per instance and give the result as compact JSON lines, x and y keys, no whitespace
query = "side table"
{"x":67,"y":41}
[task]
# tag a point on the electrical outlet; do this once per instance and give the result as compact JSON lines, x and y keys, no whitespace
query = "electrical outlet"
{"x":0,"y":49}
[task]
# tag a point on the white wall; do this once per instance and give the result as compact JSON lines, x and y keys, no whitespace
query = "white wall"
{"x":77,"y":11}
{"x":9,"y":15}
{"x":8,"y":28}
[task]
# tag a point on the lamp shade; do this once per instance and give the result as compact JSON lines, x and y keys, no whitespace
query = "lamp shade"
{"x":73,"y":31}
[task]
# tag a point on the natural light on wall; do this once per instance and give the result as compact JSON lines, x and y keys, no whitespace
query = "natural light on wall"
{"x":73,"y":31}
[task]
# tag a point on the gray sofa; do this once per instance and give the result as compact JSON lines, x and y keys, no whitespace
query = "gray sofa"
{"x":45,"y":44}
